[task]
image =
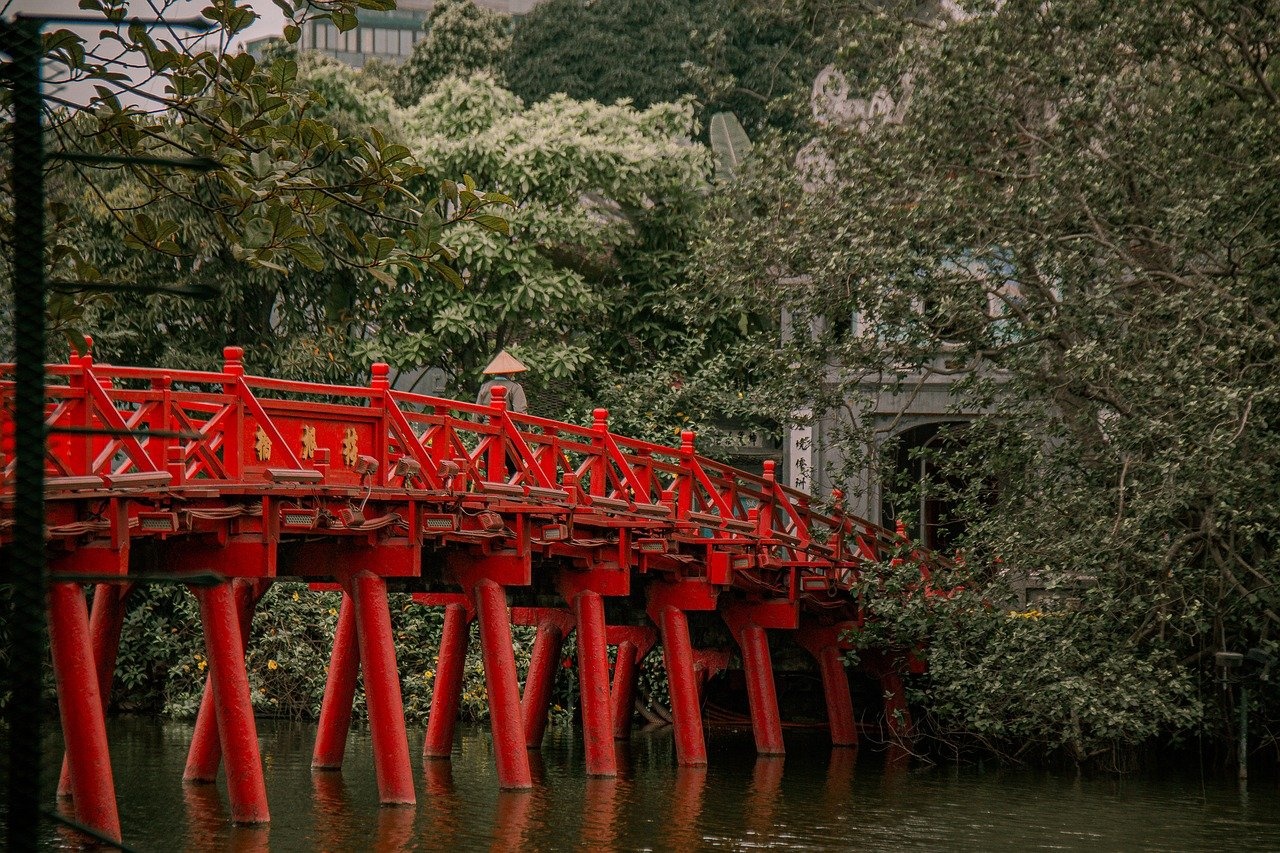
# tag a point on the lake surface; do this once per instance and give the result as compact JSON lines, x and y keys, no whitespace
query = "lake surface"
{"x":814,"y":799}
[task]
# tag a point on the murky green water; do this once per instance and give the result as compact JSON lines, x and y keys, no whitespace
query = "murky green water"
{"x":815,"y":799}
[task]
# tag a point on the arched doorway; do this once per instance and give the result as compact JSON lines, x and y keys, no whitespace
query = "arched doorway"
{"x":919,"y":490}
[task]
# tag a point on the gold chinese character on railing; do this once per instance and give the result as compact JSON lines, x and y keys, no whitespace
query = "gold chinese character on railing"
{"x":262,"y":445}
{"x":308,"y":442}
{"x":350,"y":447}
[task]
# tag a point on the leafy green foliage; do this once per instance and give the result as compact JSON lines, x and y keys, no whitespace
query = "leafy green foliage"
{"x":285,"y":191}
{"x":754,"y":59}
{"x":1072,"y":223}
{"x":462,"y":39}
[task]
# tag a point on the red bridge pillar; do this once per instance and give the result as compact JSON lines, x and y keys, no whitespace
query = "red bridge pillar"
{"x":106,"y":620}
{"x":667,"y":605}
{"x":553,"y":626}
{"x":339,"y":691}
{"x":593,"y":674}
{"x":230,"y":688}
{"x":84,"y":728}
{"x":446,"y":693}
{"x":510,"y":752}
{"x":747,"y":621}
{"x":205,"y":753}
{"x":484,"y":578}
{"x":823,"y":642}
{"x":382,"y":688}
{"x":634,"y":643}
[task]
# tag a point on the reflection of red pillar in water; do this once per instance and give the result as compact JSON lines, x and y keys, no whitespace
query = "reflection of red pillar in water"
{"x":593,"y":670}
{"x":230,"y":682}
{"x":331,"y":805}
{"x":206,"y":818}
{"x":205,"y":753}
{"x":762,"y":798}
{"x":600,"y":823}
{"x":511,"y":819}
{"x":106,"y":620}
{"x":510,"y":753}
{"x":391,"y":762}
{"x":446,"y":692}
{"x":444,"y":821}
{"x":84,"y":729}
{"x":839,"y":782}
{"x":686,"y":808}
{"x":626,"y":671}
{"x":395,"y":829}
{"x":534,"y":705}
{"x":677,"y":653}
{"x":339,"y":691}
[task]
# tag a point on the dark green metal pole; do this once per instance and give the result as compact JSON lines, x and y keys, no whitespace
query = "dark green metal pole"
{"x":21,"y":40}
{"x":1244,"y":733}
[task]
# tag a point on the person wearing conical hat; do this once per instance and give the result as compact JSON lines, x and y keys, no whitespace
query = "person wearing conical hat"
{"x":502,"y":368}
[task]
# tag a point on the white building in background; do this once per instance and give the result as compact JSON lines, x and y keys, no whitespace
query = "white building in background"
{"x":388,"y":36}
{"x":910,"y":410}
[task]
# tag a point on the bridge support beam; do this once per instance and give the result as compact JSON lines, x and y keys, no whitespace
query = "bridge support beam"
{"x":339,"y":691}
{"x":510,"y":752}
{"x":667,"y":603}
{"x":747,"y":621}
{"x":84,"y":728}
{"x":230,"y":688}
{"x":634,"y":643}
{"x":626,"y":671}
{"x":823,"y":642}
{"x":106,"y":620}
{"x":762,"y":696}
{"x":552,"y":626}
{"x":446,"y":693}
{"x":686,"y":709}
{"x":205,"y":753}
{"x":382,"y":689}
{"x":593,"y":673}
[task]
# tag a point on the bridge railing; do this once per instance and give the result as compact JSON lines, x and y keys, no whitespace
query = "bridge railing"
{"x":228,"y":427}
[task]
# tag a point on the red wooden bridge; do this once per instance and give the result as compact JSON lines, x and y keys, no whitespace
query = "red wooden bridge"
{"x":228,"y":481}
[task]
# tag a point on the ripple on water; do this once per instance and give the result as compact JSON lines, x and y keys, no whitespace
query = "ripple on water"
{"x":815,"y":799}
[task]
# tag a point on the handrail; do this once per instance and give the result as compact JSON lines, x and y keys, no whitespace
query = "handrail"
{"x":228,"y":432}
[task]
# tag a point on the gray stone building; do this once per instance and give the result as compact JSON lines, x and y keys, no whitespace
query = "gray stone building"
{"x":388,"y":36}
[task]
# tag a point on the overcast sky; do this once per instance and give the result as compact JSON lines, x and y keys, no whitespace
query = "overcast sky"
{"x":271,"y":23}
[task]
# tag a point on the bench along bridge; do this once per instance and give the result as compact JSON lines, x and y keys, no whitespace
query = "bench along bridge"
{"x":227,"y":481}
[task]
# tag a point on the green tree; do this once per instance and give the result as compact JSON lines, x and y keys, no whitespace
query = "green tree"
{"x":1074,"y":221}
{"x":280,"y":180}
{"x":755,"y":59}
{"x":599,"y":188}
{"x":461,"y":39}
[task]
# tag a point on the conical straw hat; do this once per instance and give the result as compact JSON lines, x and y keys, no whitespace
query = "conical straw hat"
{"x":505,"y":362}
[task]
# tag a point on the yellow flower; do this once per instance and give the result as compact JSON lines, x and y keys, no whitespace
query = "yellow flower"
{"x":333,"y":611}
{"x":428,"y":675}
{"x":271,"y":664}
{"x":201,"y":665}
{"x":295,"y":597}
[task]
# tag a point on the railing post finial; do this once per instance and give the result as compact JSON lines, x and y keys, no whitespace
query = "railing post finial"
{"x":686,"y":441}
{"x":233,"y":361}
{"x":378,"y":372}
{"x":498,"y":397}
{"x":600,"y":420}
